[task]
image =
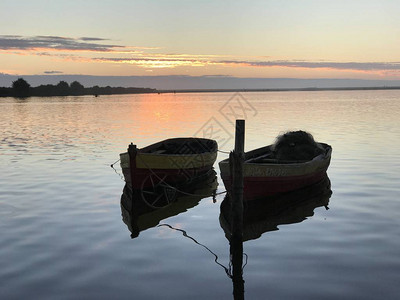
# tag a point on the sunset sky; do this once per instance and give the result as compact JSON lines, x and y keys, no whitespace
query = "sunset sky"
{"x":267,"y":39}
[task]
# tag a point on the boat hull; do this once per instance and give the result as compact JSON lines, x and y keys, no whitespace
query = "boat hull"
{"x":148,"y":169}
{"x":259,"y":187}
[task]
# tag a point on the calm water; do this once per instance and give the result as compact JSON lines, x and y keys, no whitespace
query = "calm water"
{"x":63,"y":237}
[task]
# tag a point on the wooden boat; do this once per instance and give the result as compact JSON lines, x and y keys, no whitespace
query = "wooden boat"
{"x":265,"y":175}
{"x":169,"y":162}
{"x":264,"y":215}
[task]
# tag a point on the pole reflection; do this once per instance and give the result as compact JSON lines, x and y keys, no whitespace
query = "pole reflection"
{"x":266,"y":214}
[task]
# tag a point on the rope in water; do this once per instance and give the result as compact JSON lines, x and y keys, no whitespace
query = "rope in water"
{"x":228,"y":270}
{"x":112,"y":165}
{"x":115,"y":170}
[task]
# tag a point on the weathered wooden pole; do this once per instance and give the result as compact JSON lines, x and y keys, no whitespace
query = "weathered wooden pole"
{"x":237,"y":159}
{"x":132,"y":151}
{"x":236,"y":243}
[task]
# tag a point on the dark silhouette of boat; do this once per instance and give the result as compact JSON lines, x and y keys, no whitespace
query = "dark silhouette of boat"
{"x":169,"y":162}
{"x":139,"y":213}
{"x":265,"y":175}
{"x":266,"y":214}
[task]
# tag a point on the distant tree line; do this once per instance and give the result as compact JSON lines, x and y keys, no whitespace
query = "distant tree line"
{"x":21,"y":88}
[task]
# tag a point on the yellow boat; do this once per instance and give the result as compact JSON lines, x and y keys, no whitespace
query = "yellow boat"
{"x":169,"y":162}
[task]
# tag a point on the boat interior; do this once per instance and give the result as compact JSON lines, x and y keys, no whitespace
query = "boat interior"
{"x":182,"y":146}
{"x":266,"y":155}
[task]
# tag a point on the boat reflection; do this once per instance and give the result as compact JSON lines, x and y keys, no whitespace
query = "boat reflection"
{"x":139,"y":212}
{"x":266,"y":214}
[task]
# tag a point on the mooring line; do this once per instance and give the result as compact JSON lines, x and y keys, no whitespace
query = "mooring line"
{"x":225,"y":152}
{"x":184,"y":233}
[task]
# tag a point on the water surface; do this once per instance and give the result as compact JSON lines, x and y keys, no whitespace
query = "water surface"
{"x":62,"y":233}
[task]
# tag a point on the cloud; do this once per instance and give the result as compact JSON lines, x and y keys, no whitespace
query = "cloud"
{"x":157,"y":61}
{"x":53,"y":72}
{"x":67,"y":49}
{"x":175,"y":60}
{"x":13,"y":42}
{"x":358,"y":66}
{"x":92,"y":39}
{"x":141,"y":59}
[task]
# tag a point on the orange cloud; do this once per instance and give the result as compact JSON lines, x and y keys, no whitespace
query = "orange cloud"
{"x":82,"y":50}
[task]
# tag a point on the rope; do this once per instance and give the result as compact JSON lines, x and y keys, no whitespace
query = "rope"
{"x":227,"y":271}
{"x":245,"y":255}
{"x":112,"y":165}
{"x":116,"y":172}
{"x":225,"y":152}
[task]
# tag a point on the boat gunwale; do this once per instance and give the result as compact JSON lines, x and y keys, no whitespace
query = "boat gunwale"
{"x":254,"y":170}
{"x":153,"y":160}
{"x":145,"y":150}
{"x":173,"y":155}
{"x":319,"y":158}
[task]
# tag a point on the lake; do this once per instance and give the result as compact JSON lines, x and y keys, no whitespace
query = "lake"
{"x":62,"y":231}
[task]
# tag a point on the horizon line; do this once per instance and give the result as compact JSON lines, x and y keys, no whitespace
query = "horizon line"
{"x":59,"y":74}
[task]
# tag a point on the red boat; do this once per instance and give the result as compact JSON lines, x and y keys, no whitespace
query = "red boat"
{"x":169,"y":162}
{"x":265,"y":175}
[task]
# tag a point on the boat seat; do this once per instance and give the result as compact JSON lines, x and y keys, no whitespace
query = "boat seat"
{"x":259,"y":158}
{"x":161,"y":151}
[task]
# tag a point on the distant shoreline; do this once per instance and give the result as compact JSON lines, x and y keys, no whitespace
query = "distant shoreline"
{"x":22,"y":89}
{"x":278,"y":90}
{"x":132,"y":91}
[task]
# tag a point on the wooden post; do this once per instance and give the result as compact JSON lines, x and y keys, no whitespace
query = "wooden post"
{"x":236,"y":243}
{"x":237,"y":159}
{"x":132,"y":151}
